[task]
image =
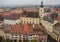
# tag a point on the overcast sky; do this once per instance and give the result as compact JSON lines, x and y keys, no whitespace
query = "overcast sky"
{"x":27,"y":2}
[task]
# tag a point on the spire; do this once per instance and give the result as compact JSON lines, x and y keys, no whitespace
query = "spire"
{"x":41,"y":4}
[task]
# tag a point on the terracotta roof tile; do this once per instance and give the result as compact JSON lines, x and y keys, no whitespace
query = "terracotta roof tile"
{"x":13,"y":17}
{"x":58,"y":18}
{"x":1,"y":22}
{"x":58,"y":11}
{"x":31,"y":10}
{"x":17,"y":11}
{"x":6,"y":14}
{"x":16,"y":29}
{"x":27,"y":29}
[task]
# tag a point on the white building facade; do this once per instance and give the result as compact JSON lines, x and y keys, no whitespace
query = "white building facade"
{"x":11,"y":22}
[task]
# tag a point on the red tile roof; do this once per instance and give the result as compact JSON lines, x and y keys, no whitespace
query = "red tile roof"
{"x":31,"y":10}
{"x":26,"y":29}
{"x":7,"y":31}
{"x":58,"y":11}
{"x":16,"y":29}
{"x":58,"y":18}
{"x":12,"y":17}
{"x":1,"y":13}
{"x":17,"y":11}
{"x":1,"y":28}
{"x":1,"y":22}
{"x":6,"y":14}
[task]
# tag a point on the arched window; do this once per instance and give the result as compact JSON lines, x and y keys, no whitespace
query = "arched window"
{"x":41,"y":10}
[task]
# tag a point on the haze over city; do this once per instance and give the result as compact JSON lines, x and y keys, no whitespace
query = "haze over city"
{"x":28,"y":2}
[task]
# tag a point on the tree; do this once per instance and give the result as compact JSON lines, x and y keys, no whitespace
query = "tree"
{"x":8,"y":40}
{"x":1,"y":18}
{"x":1,"y":39}
{"x":34,"y":40}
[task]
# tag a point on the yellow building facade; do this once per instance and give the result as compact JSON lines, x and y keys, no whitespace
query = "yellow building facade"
{"x":49,"y":27}
{"x":29,"y":20}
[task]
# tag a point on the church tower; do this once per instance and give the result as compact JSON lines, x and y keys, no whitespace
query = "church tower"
{"x":41,"y":10}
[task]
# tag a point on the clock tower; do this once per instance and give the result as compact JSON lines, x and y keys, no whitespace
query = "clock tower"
{"x":41,"y":10}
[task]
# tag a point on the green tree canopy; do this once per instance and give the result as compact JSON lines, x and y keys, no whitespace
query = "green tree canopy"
{"x":1,"y":18}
